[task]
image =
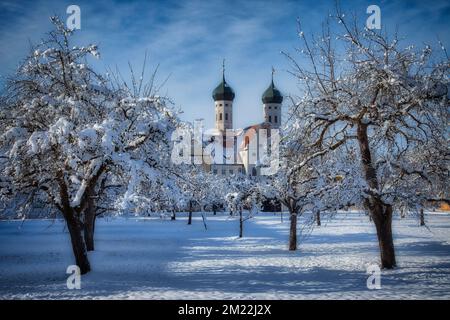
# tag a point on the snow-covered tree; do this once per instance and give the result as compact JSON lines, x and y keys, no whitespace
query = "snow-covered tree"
{"x":218,"y":187}
{"x":48,"y":132}
{"x":64,"y":131}
{"x":307,"y":181}
{"x":201,"y":189}
{"x":244,"y":193}
{"x":363,"y":89}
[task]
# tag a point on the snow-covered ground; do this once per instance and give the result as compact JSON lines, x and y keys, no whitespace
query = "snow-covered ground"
{"x":163,"y":259}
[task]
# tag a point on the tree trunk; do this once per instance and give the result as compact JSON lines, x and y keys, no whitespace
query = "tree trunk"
{"x":89,"y":229}
{"x":382,"y":216}
{"x":241,"y":223}
{"x":380,"y":212}
{"x":78,"y":245}
{"x":214,"y":209}
{"x":74,"y":226}
{"x":204,"y":220}
{"x":422,"y":217}
{"x":318,"y":218}
{"x":190,"y":213}
{"x":174,"y":216}
{"x":89,"y":221}
{"x":293,"y":232}
{"x":90,"y":213}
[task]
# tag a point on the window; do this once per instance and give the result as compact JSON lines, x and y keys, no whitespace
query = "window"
{"x":270,"y":107}
{"x":226,"y":104}
{"x":215,"y":171}
{"x":270,"y":118}
{"x":220,"y":116}
{"x":226,"y":116}
{"x":276,"y":119}
{"x":275,"y":108}
{"x":254,"y":172}
{"x":230,"y":171}
{"x":220,"y":104}
{"x":223,"y":171}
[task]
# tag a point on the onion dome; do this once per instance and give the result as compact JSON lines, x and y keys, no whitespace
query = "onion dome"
{"x":223,"y":91}
{"x":272,"y":95}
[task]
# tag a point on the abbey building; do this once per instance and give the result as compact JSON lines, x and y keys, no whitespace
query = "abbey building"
{"x":240,"y":149}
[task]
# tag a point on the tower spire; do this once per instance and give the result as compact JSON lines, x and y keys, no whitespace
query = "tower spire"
{"x":273,"y":71}
{"x":223,"y":70}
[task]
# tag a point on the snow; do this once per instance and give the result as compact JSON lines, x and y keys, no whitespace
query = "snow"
{"x":150,"y":258}
{"x":38,"y":141}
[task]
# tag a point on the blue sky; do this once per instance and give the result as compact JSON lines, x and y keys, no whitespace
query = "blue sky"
{"x":189,"y":39}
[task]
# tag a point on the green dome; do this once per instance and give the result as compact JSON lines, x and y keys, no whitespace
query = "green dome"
{"x":223,"y":92}
{"x":272,"y":95}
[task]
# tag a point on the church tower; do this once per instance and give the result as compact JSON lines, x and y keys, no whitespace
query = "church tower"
{"x":272,"y":100}
{"x":223,"y":96}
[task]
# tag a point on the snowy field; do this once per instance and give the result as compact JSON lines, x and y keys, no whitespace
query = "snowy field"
{"x":163,"y":259}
